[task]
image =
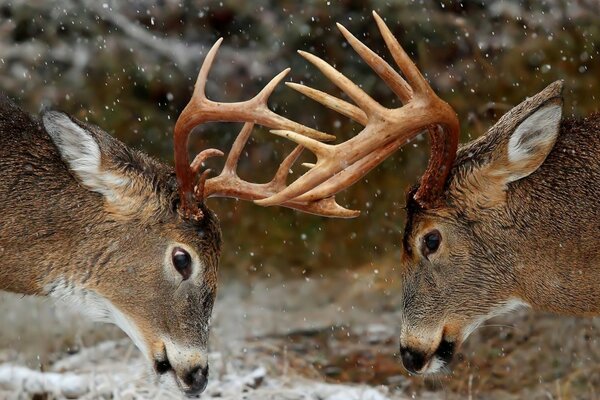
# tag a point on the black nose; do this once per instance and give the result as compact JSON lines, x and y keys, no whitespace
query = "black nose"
{"x":196,"y":380}
{"x":413,"y":360}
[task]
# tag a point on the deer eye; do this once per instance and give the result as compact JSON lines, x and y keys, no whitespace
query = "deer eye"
{"x":431,"y":242}
{"x":182,"y":261}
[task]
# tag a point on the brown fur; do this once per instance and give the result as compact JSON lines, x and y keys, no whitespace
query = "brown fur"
{"x":533,"y":240}
{"x":54,"y":232}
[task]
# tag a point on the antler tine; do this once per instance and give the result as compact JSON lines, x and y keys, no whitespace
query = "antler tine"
{"x":200,"y":86}
{"x":237,"y":148}
{"x":331,"y":102}
{"x":379,"y":65}
{"x":318,"y":148}
{"x":280,"y":177}
{"x":196,"y":165}
{"x":362,"y":99}
{"x":329,"y":208}
{"x":265,"y":93}
{"x":184,"y":125}
{"x":412,"y":73}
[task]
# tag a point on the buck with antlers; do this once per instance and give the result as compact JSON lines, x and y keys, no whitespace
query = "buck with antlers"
{"x":129,"y":240}
{"x":506,"y":221}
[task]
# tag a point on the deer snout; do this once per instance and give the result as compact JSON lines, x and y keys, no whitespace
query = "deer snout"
{"x":426,"y":355}
{"x":187,"y":364}
{"x":195,"y":380}
{"x":418,"y":362}
{"x":413,"y":360}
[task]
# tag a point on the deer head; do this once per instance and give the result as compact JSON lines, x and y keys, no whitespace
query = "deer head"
{"x":127,"y":256}
{"x":461,"y":256}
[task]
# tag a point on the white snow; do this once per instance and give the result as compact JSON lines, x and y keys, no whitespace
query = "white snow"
{"x":243,"y":364}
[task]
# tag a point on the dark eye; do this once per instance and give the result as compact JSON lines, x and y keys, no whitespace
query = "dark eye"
{"x":431,"y":242}
{"x":182,"y":261}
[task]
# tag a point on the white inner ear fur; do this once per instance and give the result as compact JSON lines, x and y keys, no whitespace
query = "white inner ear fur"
{"x":81,"y":153}
{"x":533,"y":139}
{"x":77,"y":147}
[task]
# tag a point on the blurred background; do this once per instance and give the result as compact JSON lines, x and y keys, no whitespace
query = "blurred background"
{"x":129,"y":67}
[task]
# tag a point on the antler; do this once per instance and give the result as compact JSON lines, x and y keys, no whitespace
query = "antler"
{"x":338,"y":166}
{"x":228,"y":184}
{"x":385,"y":130}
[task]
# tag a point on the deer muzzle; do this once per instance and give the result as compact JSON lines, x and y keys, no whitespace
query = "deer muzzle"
{"x":423,"y":354}
{"x":187,"y":365}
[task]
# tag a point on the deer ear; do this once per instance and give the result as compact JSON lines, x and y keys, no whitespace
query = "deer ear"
{"x":531,"y":142}
{"x":79,"y":149}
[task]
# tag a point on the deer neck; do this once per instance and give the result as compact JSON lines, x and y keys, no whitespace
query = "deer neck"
{"x":48,"y":245}
{"x":556,"y":218}
{"x":560,"y":282}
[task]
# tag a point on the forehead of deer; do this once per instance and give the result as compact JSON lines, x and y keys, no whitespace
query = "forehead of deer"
{"x":427,"y":220}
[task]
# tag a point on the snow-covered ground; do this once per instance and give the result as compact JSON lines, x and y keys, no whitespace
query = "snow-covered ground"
{"x":319,"y":339}
{"x":112,"y":369}
{"x":49,"y":349}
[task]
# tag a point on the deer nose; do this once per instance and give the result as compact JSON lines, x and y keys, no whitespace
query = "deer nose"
{"x":413,"y":360}
{"x":196,"y":380}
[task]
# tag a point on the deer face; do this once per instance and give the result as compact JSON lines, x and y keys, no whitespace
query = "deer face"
{"x":166,"y":296}
{"x":454,"y":278}
{"x":139,"y":264}
{"x":459,"y":260}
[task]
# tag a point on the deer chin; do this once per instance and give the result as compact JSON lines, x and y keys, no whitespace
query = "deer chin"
{"x":435,"y":366}
{"x":165,"y":374}
{"x":438,"y":362}
{"x":508,"y":306}
{"x":442,"y":357}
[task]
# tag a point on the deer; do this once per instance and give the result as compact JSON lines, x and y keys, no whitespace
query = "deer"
{"x":128,"y":239}
{"x":509,"y":220}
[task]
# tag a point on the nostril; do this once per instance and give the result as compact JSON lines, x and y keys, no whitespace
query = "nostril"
{"x":196,"y":379}
{"x":413,"y":361}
